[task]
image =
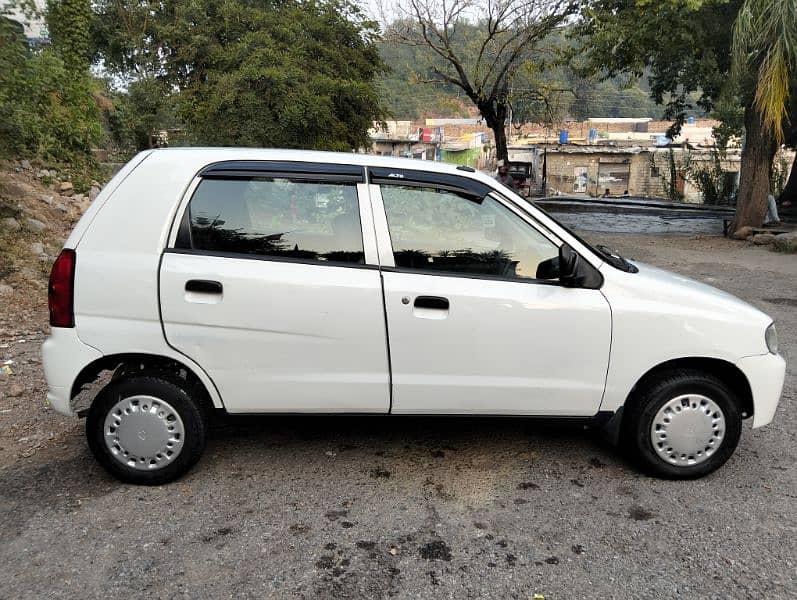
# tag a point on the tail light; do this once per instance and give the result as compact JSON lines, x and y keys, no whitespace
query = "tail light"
{"x":61,"y":291}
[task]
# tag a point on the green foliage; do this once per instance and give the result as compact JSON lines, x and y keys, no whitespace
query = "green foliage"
{"x":683,"y":46}
{"x":669,"y":174}
{"x":402,"y":86}
{"x":287,"y":73}
{"x":544,"y":89}
{"x":45,"y":110}
{"x":712,"y":181}
{"x":765,"y":52}
{"x":138,"y":113}
{"x":69,"y":24}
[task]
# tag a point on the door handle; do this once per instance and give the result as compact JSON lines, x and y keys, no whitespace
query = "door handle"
{"x":436,"y":302}
{"x":203,"y":286}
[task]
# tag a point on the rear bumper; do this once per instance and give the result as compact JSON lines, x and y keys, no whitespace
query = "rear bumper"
{"x":766,"y":375}
{"x":63,"y":357}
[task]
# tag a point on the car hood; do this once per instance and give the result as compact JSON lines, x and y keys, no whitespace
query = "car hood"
{"x":667,"y":286}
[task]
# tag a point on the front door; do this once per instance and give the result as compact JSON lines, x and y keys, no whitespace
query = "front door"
{"x":470,"y":328}
{"x":271,"y":289}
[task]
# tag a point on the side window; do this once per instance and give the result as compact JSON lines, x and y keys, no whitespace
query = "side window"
{"x":437,"y":230}
{"x":277,"y":217}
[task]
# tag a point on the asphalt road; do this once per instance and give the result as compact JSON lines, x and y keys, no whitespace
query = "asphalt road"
{"x":414,"y":507}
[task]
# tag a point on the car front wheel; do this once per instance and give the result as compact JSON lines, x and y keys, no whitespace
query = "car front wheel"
{"x":682,"y":424}
{"x":146,"y":429}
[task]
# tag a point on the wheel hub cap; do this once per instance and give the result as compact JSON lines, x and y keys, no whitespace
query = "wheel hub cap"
{"x":687,"y":430}
{"x":144,"y":432}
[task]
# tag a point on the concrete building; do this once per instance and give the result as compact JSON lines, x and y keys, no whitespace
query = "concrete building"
{"x":640,"y":171}
{"x":33,"y":25}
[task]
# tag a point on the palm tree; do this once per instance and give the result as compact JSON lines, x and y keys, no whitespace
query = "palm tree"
{"x":765,"y":62}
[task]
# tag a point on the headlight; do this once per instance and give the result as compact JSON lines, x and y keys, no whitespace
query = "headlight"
{"x":771,"y":336}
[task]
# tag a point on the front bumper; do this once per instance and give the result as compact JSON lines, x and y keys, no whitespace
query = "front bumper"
{"x":765,"y":374}
{"x":63,"y":357}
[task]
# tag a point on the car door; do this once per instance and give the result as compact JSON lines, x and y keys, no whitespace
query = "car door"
{"x":272,"y":286}
{"x":470,"y":328}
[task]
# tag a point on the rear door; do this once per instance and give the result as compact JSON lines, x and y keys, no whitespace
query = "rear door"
{"x":471,"y":330}
{"x":272,"y":285}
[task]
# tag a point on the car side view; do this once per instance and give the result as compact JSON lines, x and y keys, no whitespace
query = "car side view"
{"x":276,"y":281}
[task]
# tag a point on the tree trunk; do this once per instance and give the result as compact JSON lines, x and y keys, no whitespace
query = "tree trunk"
{"x":495,"y":114}
{"x":790,"y":191}
{"x":757,"y":156}
{"x":501,"y":152}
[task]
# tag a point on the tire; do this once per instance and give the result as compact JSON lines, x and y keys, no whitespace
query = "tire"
{"x":684,"y":424}
{"x":156,"y":433}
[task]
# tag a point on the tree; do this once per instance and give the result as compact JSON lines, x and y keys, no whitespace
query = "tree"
{"x":482,"y":60}
{"x":46,"y":108}
{"x":69,"y":24}
{"x":765,"y":63}
{"x":289,"y":73}
{"x":688,"y":51}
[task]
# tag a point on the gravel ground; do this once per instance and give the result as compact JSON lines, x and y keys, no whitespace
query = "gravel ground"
{"x":405,"y":507}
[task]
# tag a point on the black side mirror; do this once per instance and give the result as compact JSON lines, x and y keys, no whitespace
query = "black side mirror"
{"x":564,"y":267}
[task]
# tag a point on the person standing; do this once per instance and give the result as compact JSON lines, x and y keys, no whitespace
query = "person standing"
{"x":504,"y":178}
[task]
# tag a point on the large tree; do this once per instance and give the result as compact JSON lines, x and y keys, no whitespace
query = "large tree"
{"x":765,"y":66}
{"x":481,"y":45}
{"x":686,"y":47}
{"x":290,"y":73}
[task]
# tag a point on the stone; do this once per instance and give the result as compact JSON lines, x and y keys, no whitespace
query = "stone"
{"x":78,"y":198}
{"x":61,"y":206}
{"x":11,"y":223}
{"x":25,"y":164}
{"x":46,"y":199}
{"x":786,"y":242}
{"x":94,"y":192}
{"x":5,"y":289}
{"x":66,"y":188}
{"x":15,"y":390}
{"x":37,"y":248}
{"x":742,"y":233}
{"x":35,"y":224}
{"x":763,"y":239}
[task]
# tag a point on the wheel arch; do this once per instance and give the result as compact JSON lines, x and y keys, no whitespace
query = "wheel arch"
{"x":127,"y":362}
{"x":724,"y":370}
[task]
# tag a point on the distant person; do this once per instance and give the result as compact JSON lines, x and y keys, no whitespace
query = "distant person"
{"x":626,"y":194}
{"x":504,"y":178}
{"x":772,"y":217}
{"x":607,"y":194}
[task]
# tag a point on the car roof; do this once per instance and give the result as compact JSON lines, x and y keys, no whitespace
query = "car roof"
{"x":205,"y":156}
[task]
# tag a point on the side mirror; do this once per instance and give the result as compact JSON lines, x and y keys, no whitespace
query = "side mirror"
{"x":564,"y":267}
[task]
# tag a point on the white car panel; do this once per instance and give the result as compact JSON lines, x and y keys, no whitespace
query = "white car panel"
{"x":284,"y":336}
{"x":766,"y":375}
{"x":660,"y":316}
{"x":63,"y":357}
{"x":503,"y":347}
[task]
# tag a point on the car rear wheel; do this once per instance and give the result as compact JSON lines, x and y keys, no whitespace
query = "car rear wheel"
{"x":146,"y":429}
{"x":682,"y":425}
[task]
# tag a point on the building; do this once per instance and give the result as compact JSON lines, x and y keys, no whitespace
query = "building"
{"x":635,"y":170}
{"x":33,"y":25}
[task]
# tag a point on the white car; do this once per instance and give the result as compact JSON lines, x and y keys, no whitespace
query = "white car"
{"x":212,"y":280}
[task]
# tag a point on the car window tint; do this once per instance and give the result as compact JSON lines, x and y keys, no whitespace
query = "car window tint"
{"x":278,"y":217}
{"x":437,"y":230}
